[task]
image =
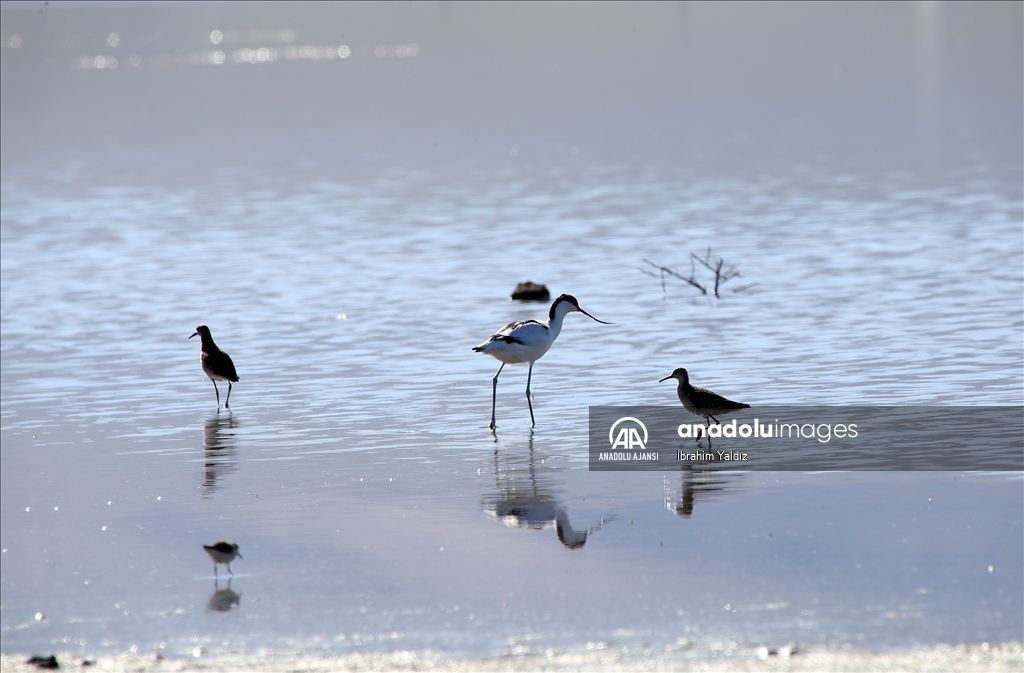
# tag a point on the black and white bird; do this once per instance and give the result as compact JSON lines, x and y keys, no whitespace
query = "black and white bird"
{"x":528,"y":341}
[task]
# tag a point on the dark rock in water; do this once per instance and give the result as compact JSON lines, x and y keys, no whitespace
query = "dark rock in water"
{"x":44,"y":662}
{"x":530,"y":291}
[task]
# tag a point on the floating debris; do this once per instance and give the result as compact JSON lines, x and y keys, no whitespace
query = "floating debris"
{"x":49,"y":662}
{"x":785,"y":652}
{"x":530,"y":291}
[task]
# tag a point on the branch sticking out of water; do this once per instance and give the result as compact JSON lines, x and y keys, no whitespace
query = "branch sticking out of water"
{"x":723,"y":273}
{"x":667,"y":271}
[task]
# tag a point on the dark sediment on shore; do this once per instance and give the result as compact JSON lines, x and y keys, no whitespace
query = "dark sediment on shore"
{"x":1007,"y":657}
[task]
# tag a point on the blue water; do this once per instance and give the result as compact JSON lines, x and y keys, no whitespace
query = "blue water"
{"x":349,"y":277}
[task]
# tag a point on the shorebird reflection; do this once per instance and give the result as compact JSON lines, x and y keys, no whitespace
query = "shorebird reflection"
{"x":223,"y":600}
{"x":218,"y":451}
{"x":697,"y":485}
{"x":525,"y":500}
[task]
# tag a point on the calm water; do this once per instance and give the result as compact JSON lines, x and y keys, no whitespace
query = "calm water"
{"x":349,"y":265}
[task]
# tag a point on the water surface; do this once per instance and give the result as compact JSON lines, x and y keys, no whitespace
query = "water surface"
{"x":349,"y":262}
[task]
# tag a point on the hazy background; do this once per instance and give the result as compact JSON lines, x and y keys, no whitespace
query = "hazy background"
{"x":709,"y":86}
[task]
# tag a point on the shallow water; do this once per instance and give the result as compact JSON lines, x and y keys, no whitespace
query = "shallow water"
{"x":373,"y":507}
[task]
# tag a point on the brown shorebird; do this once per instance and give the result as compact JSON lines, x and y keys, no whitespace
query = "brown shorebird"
{"x":216,"y":363}
{"x":700,"y":401}
{"x":222,"y":552}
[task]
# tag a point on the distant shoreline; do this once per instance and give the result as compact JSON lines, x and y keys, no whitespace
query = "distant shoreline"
{"x":1007,"y":657}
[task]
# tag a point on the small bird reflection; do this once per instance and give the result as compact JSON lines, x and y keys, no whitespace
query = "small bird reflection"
{"x":218,"y":451}
{"x":703,"y":485}
{"x":223,"y":600}
{"x":525,"y":500}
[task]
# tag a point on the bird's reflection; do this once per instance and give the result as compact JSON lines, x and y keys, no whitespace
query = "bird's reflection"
{"x":698,"y":485}
{"x":525,"y":498}
{"x":223,"y":600}
{"x":218,"y":450}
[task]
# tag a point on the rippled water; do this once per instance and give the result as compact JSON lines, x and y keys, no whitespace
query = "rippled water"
{"x":374,"y":508}
{"x":355,"y":463}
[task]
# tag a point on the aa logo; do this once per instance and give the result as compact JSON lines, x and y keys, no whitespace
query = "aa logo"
{"x":628,"y":438}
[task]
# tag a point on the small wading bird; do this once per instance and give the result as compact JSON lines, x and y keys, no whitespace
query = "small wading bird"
{"x":222,"y":552}
{"x":527,"y":341}
{"x":702,"y":402}
{"x":216,"y":363}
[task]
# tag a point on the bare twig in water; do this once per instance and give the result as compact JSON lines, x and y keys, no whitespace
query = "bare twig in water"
{"x":667,"y":271}
{"x":655,"y":275}
{"x":723,"y":273}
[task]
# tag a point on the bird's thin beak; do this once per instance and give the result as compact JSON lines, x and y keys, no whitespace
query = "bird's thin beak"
{"x":193,"y":334}
{"x":593,"y":318}
{"x":666,"y":378}
{"x":239,"y":555}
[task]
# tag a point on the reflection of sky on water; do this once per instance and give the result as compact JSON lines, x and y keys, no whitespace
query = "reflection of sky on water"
{"x":920,"y":87}
{"x":350,"y":228}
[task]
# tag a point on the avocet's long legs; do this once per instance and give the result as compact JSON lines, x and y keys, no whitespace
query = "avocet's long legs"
{"x":529,"y":375}
{"x":494,"y":393}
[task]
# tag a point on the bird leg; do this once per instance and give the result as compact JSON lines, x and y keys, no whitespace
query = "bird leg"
{"x":494,"y":393}
{"x":228,"y":399}
{"x":217,"y":392}
{"x":528,"y":402}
